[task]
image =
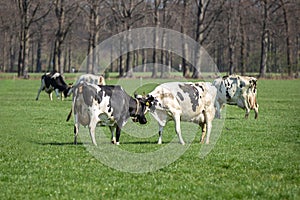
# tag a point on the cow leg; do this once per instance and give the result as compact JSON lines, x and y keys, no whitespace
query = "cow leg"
{"x":160,"y":134}
{"x":256,"y":111}
{"x":50,"y":96}
{"x":38,"y":94}
{"x":62,"y":96}
{"x":177,"y":128}
{"x":208,"y":131}
{"x":92,"y":128}
{"x":76,"y":129}
{"x":246,"y":106}
{"x":112,"y":130}
{"x":218,"y":109}
{"x":41,"y":88}
{"x":118,"y":134}
{"x":203,"y":128}
{"x":75,"y":133}
{"x":247,"y":113}
{"x":57,"y":93}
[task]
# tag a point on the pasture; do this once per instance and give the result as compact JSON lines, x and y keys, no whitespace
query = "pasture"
{"x":253,"y":159}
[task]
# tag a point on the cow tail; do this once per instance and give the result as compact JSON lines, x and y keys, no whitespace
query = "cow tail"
{"x":69,"y":115}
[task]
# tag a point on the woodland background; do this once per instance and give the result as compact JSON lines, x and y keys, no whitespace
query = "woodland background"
{"x":242,"y":36}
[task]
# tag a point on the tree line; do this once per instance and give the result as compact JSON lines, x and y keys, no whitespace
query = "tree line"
{"x":242,"y":36}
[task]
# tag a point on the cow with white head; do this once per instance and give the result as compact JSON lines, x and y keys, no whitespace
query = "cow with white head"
{"x":184,"y":101}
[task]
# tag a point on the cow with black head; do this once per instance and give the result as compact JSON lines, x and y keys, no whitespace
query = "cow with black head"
{"x":53,"y":81}
{"x":106,"y":105}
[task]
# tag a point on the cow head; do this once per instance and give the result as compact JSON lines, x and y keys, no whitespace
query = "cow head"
{"x":142,"y":106}
{"x":67,"y":92}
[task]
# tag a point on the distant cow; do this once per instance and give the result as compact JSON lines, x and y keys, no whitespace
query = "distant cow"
{"x":105,"y":105}
{"x":89,"y":78}
{"x":236,"y":90}
{"x":53,"y":82}
{"x":184,"y":101}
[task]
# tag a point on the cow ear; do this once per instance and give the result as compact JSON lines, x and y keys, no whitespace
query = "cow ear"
{"x":149,"y":101}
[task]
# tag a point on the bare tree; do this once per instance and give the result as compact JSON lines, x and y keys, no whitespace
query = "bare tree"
{"x":65,"y":12}
{"x":287,"y":35}
{"x":30,"y":12}
{"x":92,"y":9}
{"x":127,"y":13}
{"x":205,"y":23}
{"x":264,"y":39}
{"x":156,"y":39}
{"x":183,"y":30}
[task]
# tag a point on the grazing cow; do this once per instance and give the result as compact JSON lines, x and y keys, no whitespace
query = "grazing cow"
{"x":53,"y":81}
{"x":184,"y":101}
{"x":89,"y":78}
{"x":105,"y":105}
{"x":236,"y":90}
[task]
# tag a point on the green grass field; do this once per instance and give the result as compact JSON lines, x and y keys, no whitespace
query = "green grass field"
{"x":253,"y":159}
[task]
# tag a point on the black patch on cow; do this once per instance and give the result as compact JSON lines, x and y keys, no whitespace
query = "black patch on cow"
{"x":242,"y":84}
{"x":109,"y":108}
{"x":228,"y":95}
{"x":225,"y":77}
{"x":193,"y":94}
{"x":200,"y":86}
{"x":180,"y":96}
{"x":89,"y":93}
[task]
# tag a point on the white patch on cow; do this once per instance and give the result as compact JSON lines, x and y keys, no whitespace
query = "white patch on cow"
{"x":55,"y":75}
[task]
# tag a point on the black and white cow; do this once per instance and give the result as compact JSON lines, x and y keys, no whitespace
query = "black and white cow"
{"x":184,"y":101}
{"x":236,"y":90}
{"x":105,"y":105}
{"x":53,"y":81}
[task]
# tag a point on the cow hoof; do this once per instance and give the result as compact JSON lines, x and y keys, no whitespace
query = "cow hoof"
{"x":117,"y":143}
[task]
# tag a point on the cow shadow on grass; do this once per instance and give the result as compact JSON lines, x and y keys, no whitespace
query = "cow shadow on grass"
{"x":138,"y":142}
{"x":57,"y":143}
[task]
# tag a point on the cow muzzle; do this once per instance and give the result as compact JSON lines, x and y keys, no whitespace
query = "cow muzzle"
{"x":142,"y":120}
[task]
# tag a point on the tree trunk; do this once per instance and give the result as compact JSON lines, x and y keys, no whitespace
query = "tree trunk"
{"x":287,"y":40}
{"x":25,"y":54}
{"x":201,"y":4}
{"x":231,"y":38}
{"x":264,"y":42}
{"x":12,"y":53}
{"x":39,"y":53}
{"x":243,"y":38}
{"x":70,"y":56}
{"x":185,"y":68}
{"x":4,"y":55}
{"x":129,"y":56}
{"x":144,"y":60}
{"x":156,"y":39}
